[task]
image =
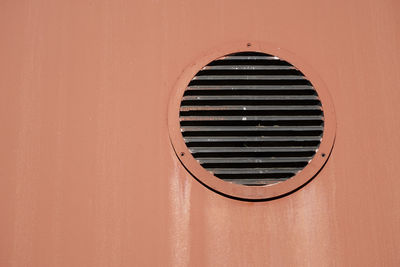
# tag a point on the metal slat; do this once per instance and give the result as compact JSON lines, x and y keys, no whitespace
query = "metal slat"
{"x":251,"y":108}
{"x":248,"y":58}
{"x":250,"y":118}
{"x":254,"y":160}
{"x":249,"y":149}
{"x":250,"y":87}
{"x":253,"y":170}
{"x":250,"y":128}
{"x":249,"y":67}
{"x":258,"y":181}
{"x":249,"y":77}
{"x":250,"y":97}
{"x":190,"y":139}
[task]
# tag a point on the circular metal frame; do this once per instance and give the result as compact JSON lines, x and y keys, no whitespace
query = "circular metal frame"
{"x":241,"y":191}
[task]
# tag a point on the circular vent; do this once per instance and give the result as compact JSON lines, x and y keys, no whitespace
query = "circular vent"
{"x":251,"y":119}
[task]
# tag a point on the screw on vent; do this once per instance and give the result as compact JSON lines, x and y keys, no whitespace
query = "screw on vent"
{"x":251,"y":118}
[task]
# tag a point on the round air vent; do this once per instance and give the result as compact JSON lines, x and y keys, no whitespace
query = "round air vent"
{"x":251,"y":121}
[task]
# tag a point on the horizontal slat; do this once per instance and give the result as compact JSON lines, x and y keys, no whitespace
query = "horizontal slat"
{"x":251,"y":97}
{"x":250,"y":138}
{"x":244,"y":108}
{"x":250,"y":118}
{"x":248,"y":58}
{"x":259,"y":181}
{"x":254,"y":160}
{"x":249,"y":77}
{"x":252,"y":170}
{"x":250,"y":128}
{"x":249,"y":67}
{"x":249,"y":149}
{"x":250,"y":87}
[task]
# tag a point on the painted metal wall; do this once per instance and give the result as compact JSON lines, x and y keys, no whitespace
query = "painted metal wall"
{"x":88,"y":176}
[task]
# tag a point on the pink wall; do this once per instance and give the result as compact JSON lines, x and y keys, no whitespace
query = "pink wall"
{"x":88,"y":176}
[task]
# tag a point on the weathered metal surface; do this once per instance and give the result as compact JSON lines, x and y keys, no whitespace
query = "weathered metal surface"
{"x":87,"y":173}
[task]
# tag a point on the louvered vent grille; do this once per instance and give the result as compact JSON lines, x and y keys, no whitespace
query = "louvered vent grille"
{"x":251,"y":118}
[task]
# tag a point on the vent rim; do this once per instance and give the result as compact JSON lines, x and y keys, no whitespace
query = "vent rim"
{"x":251,"y":193}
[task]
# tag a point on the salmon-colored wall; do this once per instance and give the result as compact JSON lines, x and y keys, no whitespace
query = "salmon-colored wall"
{"x":88,"y":176}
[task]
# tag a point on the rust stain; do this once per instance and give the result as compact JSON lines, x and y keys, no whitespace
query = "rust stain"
{"x":180,"y":200}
